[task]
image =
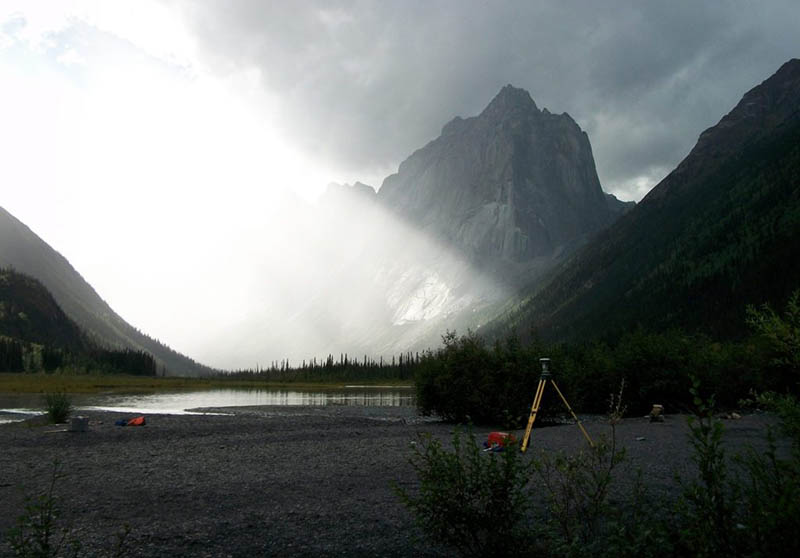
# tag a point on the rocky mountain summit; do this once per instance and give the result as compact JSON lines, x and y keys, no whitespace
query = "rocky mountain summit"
{"x":493,"y":203}
{"x":510,"y":187}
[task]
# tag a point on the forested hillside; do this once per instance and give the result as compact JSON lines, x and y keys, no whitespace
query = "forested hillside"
{"x":36,"y":335}
{"x":719,"y":232}
{"x":23,"y":250}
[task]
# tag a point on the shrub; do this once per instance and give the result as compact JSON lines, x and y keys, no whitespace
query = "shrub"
{"x":39,"y":533}
{"x":708,"y":505}
{"x":471,"y":500}
{"x":750,"y":511}
{"x":579,"y":517}
{"x":483,"y":505}
{"x":466,"y":381}
{"x":58,"y":407}
{"x":36,"y":534}
{"x":781,"y":333}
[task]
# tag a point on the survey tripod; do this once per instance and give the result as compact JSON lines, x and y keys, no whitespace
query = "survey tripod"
{"x":537,"y":402}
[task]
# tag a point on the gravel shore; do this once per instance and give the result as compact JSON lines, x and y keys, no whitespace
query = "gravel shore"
{"x":274,"y":481}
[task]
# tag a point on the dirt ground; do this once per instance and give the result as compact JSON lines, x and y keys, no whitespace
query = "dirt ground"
{"x":275,"y":481}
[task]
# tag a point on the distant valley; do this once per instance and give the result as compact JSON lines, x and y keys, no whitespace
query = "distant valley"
{"x":500,"y":225}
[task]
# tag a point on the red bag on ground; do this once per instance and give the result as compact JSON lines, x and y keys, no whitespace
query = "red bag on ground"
{"x":500,"y":439}
{"x":138,"y":421}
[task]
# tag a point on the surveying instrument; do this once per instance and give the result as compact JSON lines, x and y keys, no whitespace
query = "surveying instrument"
{"x":544,"y":379}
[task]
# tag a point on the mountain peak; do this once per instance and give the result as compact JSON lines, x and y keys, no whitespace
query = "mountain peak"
{"x":778,"y":93}
{"x":510,"y":99}
{"x":512,"y":189}
{"x":789,"y":68}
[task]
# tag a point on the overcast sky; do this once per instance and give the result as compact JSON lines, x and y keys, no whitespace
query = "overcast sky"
{"x":150,"y":142}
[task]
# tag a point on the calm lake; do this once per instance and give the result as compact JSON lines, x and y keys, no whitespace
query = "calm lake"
{"x":20,"y":406}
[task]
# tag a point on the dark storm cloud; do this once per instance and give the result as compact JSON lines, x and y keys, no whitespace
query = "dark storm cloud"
{"x":366,"y":83}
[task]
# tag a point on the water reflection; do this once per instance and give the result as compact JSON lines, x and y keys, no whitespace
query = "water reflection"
{"x":363,"y":399}
{"x":177,"y":403}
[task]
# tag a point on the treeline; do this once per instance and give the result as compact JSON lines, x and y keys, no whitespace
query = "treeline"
{"x":468,"y":380}
{"x":11,"y":356}
{"x":125,"y":361}
{"x":345,"y":369}
{"x":37,"y":336}
{"x":18,"y":356}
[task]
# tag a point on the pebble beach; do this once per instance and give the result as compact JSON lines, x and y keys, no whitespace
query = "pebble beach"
{"x":275,"y":481}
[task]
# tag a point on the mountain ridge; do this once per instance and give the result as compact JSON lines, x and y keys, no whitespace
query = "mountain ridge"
{"x":699,"y":246}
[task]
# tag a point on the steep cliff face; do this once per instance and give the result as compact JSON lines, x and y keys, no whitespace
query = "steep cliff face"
{"x":513,"y":184}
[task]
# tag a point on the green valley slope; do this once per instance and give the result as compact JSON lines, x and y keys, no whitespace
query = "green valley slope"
{"x":719,"y":232}
{"x":23,"y":250}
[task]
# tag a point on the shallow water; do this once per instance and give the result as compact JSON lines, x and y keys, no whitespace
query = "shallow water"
{"x":14,"y":407}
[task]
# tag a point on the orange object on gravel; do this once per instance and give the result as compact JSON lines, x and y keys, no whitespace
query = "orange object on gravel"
{"x":500,"y":439}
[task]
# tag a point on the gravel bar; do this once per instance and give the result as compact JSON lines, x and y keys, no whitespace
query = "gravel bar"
{"x":274,"y":481}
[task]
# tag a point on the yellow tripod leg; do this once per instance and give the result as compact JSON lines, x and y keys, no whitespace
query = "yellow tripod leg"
{"x":537,"y":400}
{"x":564,"y":399}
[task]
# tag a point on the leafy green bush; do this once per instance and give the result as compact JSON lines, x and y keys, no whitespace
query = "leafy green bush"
{"x":484,"y":504}
{"x":787,"y":408}
{"x":465,"y":381}
{"x":468,"y":381}
{"x":576,"y":488}
{"x":471,"y":500}
{"x":708,"y":507}
{"x":782,"y":337}
{"x":750,"y":511}
{"x":58,"y":407}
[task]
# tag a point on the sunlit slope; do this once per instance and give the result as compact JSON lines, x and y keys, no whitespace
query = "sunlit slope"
{"x":353,"y":278}
{"x":719,"y":232}
{"x":23,"y":250}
